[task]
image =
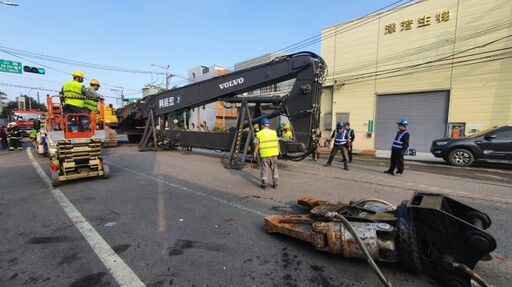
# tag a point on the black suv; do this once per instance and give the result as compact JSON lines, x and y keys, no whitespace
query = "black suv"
{"x":492,"y":144}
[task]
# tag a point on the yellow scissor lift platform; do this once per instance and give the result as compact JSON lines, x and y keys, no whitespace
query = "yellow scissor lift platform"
{"x":78,"y":159}
{"x":78,"y":144}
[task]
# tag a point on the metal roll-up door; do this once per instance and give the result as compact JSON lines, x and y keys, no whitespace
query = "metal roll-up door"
{"x":427,"y":113}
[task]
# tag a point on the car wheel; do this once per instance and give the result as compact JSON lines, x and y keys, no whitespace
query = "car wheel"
{"x":460,"y":157}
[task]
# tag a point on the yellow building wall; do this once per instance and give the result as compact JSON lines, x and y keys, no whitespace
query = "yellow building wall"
{"x":352,"y":54}
{"x":415,"y":57}
{"x":482,"y":94}
{"x":367,"y":57}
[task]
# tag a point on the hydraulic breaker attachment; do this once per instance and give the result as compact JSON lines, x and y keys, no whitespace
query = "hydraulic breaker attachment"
{"x":431,"y":233}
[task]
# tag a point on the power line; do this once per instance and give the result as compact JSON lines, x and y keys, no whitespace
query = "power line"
{"x":71,"y":62}
{"x":294,"y":47}
{"x":426,"y":48}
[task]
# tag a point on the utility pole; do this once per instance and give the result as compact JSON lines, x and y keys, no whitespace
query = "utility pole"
{"x":167,"y":75}
{"x":121,"y":90}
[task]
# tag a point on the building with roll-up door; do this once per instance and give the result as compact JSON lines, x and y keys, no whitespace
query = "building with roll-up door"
{"x":446,"y":65}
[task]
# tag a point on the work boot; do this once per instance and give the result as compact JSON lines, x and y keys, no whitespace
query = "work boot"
{"x":389,"y":172}
{"x":327,"y":164}
{"x":345,"y":166}
{"x":275,"y":185}
{"x":20,"y":148}
{"x":263,"y":186}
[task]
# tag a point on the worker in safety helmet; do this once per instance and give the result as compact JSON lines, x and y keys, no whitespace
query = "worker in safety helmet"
{"x":287,"y":133}
{"x":91,"y":102}
{"x":73,"y":95}
{"x":14,"y":136}
{"x":341,"y":140}
{"x":398,"y":148}
{"x":280,"y":128}
{"x":267,"y":144}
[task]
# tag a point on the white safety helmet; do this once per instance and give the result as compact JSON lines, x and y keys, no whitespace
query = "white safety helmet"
{"x":12,"y":124}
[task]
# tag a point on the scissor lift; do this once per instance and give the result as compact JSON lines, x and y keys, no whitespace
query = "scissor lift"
{"x":75,"y":150}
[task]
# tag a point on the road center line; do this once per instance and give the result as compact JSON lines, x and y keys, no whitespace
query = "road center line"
{"x":191,"y":190}
{"x":121,"y":272}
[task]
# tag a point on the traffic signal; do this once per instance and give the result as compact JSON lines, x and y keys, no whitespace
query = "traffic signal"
{"x":34,"y":70}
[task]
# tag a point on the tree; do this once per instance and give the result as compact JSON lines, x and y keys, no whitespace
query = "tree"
{"x":11,"y":105}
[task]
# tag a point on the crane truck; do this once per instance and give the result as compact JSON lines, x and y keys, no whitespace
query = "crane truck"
{"x":431,"y":233}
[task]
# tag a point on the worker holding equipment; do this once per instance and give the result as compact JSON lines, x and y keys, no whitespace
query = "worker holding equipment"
{"x":267,"y":144}
{"x":287,"y":133}
{"x":73,"y":95}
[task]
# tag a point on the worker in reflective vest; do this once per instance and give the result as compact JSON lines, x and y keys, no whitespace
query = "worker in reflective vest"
{"x":287,"y":133}
{"x":398,"y":148}
{"x":73,"y":95}
{"x":14,"y":136}
{"x":340,"y":137}
{"x":91,"y":102}
{"x":267,"y":144}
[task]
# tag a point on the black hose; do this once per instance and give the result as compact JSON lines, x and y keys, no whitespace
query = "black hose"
{"x":361,"y":245}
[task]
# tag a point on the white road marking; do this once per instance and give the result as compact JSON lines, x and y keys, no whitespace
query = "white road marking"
{"x":121,"y":272}
{"x":190,"y":190}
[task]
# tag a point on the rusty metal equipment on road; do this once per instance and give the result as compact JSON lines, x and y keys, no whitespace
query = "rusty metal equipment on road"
{"x":431,"y":233}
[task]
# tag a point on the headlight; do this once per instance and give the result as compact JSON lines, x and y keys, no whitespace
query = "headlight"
{"x":441,"y":143}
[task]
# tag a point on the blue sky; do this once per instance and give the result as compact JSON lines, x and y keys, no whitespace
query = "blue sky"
{"x":136,"y":34}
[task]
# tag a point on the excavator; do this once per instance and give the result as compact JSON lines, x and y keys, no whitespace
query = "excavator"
{"x":431,"y":233}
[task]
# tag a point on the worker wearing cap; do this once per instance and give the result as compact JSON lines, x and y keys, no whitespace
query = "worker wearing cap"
{"x":398,"y":148}
{"x":287,"y":133}
{"x":267,"y":144}
{"x":73,"y":95}
{"x":14,"y":136}
{"x":341,"y":139}
{"x":91,"y":102}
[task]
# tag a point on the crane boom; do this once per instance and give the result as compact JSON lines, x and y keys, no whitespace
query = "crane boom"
{"x":301,"y":105}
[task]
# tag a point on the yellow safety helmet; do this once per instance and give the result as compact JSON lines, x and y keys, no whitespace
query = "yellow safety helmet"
{"x":78,"y":74}
{"x":286,"y":126}
{"x":94,"y":82}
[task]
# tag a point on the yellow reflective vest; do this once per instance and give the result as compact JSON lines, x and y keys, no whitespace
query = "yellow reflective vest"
{"x":287,"y":135}
{"x":89,"y":103}
{"x":268,"y":145}
{"x":72,"y":92}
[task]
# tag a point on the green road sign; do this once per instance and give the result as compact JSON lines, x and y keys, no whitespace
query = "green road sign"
{"x":10,"y":66}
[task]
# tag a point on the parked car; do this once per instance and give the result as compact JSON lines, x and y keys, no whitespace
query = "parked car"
{"x":491,"y":144}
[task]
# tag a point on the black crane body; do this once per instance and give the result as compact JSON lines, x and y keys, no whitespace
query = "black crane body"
{"x":301,"y":105}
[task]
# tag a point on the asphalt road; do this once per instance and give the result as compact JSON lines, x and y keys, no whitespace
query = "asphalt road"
{"x":175,"y":219}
